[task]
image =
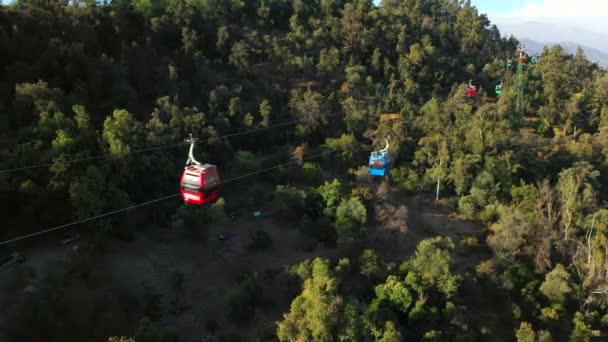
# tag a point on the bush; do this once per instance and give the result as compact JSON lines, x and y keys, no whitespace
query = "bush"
{"x":243,"y":162}
{"x":432,"y":335}
{"x":351,"y":216}
{"x":311,"y":172}
{"x":306,"y":244}
{"x":486,"y":268}
{"x":212,"y":326}
{"x":343,"y":266}
{"x":551,"y":313}
{"x":516,"y":276}
{"x":81,"y":264}
{"x":406,"y":179}
{"x":371,"y":266}
{"x":468,"y":244}
{"x":556,"y":286}
{"x":260,"y":240}
{"x":467,"y":206}
{"x":153,"y":304}
{"x":189,"y":219}
{"x":320,"y":229}
{"x":278,"y":175}
{"x":242,"y":299}
{"x":290,"y":202}
{"x":361,"y":174}
{"x":363,"y":193}
{"x":120,"y":339}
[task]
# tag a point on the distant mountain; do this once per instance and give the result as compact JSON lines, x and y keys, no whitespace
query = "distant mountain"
{"x":592,"y":54}
{"x":549,"y":30}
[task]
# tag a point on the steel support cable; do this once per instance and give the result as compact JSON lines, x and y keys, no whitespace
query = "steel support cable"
{"x":92,"y":218}
{"x":156,"y":148}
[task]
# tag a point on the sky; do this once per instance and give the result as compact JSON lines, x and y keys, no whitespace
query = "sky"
{"x":500,"y":7}
{"x":543,"y":8}
{"x":578,"y":21}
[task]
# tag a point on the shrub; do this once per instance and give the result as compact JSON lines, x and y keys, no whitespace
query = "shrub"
{"x":363,"y":193}
{"x":260,"y":240}
{"x":290,"y":202}
{"x":242,"y":299}
{"x":468,"y":244}
{"x":153,"y":304}
{"x":311,"y":172}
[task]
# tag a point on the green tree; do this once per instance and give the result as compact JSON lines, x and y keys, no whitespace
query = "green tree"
{"x":392,"y":293}
{"x":122,"y":132}
{"x":370,"y":264}
{"x":317,"y":313}
{"x":240,"y":55}
{"x":86,"y":193}
{"x":582,"y":331}
{"x":311,"y":109}
{"x":356,"y":116}
{"x":32,"y":99}
{"x":510,"y":234}
{"x":576,"y":193}
{"x":351,"y":216}
{"x":556,"y":286}
{"x":265,"y":111}
{"x":223,"y":36}
{"x":312,"y":173}
{"x":429,"y":268}
{"x":290,"y":202}
{"x":391,"y":333}
{"x":526,"y":333}
{"x":242,"y":299}
{"x":346,"y":144}
{"x":331,"y":195}
{"x":121,"y":339}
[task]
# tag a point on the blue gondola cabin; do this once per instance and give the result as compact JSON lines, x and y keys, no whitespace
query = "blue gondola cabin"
{"x":200,"y":184}
{"x":379,"y":164}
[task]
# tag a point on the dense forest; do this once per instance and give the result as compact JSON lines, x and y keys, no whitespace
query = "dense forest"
{"x":98,"y":97}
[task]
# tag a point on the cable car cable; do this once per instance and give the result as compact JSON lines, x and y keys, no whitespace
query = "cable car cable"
{"x":27,"y":236}
{"x":107,"y":155}
{"x":149,"y":149}
{"x":87,"y":219}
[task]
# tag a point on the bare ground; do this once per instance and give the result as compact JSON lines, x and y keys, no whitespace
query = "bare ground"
{"x":397,"y":225}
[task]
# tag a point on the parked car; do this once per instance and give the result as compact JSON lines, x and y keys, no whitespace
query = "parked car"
{"x":70,"y":238}
{"x":224,"y":236}
{"x":14,"y":258}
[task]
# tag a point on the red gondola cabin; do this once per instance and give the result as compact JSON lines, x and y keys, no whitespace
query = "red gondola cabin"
{"x":472,"y":90}
{"x":200,"y":184}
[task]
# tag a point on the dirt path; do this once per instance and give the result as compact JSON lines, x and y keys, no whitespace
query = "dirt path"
{"x":397,"y":225}
{"x":210,"y":267}
{"x":400,"y":223}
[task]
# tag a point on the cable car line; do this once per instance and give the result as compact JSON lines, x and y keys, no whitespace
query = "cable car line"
{"x":156,"y":148}
{"x":92,"y":218}
{"x":87,"y":219}
{"x":101,"y":156}
{"x":149,"y":149}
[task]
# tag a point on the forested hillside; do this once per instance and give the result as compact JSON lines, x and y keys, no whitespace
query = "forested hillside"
{"x":97,"y":98}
